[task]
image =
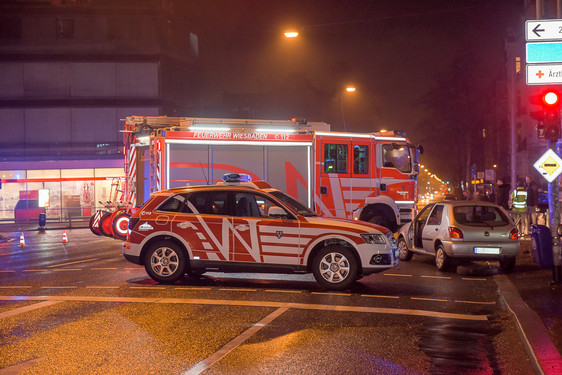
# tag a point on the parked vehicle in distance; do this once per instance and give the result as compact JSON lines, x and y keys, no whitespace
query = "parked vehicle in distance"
{"x":454,"y":231}
{"x":27,"y":211}
{"x":248,"y":226}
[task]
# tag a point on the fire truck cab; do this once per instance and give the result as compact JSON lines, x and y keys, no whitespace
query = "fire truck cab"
{"x":363,"y":176}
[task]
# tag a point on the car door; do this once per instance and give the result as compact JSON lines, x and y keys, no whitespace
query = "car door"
{"x":417,"y":227}
{"x":431,"y":228}
{"x":200,"y":223}
{"x":258,"y":237}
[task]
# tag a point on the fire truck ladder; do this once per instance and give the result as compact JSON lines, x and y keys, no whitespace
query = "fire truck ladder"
{"x":154,"y":167}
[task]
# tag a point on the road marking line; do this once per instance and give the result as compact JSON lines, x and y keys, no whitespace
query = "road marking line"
{"x":15,"y":286}
{"x":273,"y":304}
{"x":378,"y":296}
{"x":430,"y":299}
{"x":397,"y":274}
{"x":6,"y":271}
{"x":476,"y":302}
{"x":102,"y":287}
{"x":21,"y":310}
{"x":20,"y":367}
{"x":60,"y":287}
{"x":68,"y":269}
{"x":238,"y":290}
{"x":473,"y":279}
{"x":133,"y":268}
{"x":237,"y":341}
{"x":283,"y":291}
{"x":148,"y":287}
{"x":438,"y":277}
{"x":35,"y":270}
{"x":192,"y":288}
{"x":332,"y":294}
{"x":103,"y":268}
{"x":78,"y":261}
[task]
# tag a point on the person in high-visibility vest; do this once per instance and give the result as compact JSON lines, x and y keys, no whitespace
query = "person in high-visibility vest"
{"x":519,"y":203}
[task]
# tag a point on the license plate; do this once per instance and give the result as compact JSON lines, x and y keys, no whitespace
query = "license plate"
{"x":487,"y":250}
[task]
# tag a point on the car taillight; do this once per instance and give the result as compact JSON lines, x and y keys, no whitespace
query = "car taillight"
{"x":132,"y":222}
{"x":514,"y":234}
{"x":455,"y":232}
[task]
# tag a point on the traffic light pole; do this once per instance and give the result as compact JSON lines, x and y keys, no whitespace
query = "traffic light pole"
{"x":554,"y":208}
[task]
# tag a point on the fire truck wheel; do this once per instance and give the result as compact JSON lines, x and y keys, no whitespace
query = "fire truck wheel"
{"x":403,"y":252}
{"x":120,"y":225}
{"x":94,"y":230}
{"x":334,"y":267}
{"x":165,"y":262}
{"x":384,"y":221}
{"x":105,"y":225}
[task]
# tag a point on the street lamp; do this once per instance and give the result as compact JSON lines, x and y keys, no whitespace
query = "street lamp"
{"x":291,"y":34}
{"x":349,"y":90}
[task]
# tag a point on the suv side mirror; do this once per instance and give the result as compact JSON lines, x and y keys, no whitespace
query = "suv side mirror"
{"x":275,"y":211}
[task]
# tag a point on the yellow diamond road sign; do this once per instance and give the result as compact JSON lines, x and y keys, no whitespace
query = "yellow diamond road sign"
{"x":549,"y":165}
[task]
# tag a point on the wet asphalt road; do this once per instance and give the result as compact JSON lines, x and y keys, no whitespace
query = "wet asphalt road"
{"x":79,"y":308}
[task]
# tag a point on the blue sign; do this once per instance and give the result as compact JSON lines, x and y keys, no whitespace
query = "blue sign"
{"x":545,"y":52}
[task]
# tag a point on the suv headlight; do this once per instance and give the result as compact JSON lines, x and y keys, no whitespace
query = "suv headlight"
{"x":373,"y":238}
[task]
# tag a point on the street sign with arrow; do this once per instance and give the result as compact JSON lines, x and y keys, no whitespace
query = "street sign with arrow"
{"x":542,"y":30}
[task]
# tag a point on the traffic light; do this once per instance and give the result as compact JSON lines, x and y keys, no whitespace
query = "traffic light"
{"x":548,"y":116}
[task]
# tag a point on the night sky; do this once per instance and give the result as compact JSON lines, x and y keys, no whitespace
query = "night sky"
{"x":391,"y":50}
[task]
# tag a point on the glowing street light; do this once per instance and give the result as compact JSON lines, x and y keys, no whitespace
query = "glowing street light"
{"x":291,"y":34}
{"x":350,"y":89}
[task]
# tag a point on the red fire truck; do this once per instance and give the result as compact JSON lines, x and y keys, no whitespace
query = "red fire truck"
{"x":364,"y":176}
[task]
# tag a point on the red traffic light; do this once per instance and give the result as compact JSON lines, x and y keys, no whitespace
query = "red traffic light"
{"x":551,"y":98}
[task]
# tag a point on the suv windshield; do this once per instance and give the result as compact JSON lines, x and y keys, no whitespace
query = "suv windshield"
{"x":480,"y":216}
{"x":297,"y":206}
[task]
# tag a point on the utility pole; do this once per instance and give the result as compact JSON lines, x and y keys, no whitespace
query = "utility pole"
{"x":553,"y":187}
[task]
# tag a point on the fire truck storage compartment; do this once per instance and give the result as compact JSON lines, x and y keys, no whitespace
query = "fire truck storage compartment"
{"x":286,"y":168}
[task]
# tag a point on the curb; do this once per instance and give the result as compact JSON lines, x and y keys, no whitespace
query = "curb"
{"x":544,"y":356}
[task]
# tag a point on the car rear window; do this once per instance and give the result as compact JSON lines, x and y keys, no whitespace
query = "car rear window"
{"x":480,"y":216}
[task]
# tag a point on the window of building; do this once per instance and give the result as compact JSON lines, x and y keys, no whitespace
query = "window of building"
{"x":65,"y":28}
{"x":10,"y":28}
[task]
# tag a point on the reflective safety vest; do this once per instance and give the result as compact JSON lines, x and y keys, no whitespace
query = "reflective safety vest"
{"x":519,"y":199}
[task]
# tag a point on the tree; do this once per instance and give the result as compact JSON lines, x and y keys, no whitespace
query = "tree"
{"x":459,"y":113}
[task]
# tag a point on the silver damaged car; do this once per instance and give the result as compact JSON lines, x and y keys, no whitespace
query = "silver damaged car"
{"x":461,"y":231}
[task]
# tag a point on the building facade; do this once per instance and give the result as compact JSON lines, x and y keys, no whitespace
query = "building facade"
{"x":69,"y":72}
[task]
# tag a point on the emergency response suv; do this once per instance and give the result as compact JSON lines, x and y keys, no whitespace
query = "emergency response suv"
{"x":243,"y":226}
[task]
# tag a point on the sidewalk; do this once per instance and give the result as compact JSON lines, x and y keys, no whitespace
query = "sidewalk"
{"x":536,"y":307}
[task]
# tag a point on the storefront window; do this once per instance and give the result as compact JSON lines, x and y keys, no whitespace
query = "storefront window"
{"x":10,"y":193}
{"x":71,"y":193}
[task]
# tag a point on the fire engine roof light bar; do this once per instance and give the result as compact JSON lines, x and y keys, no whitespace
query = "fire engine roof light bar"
{"x":143,"y":140}
{"x":356,"y":135}
{"x":394,"y":139}
{"x":277,"y":130}
{"x":209,"y":128}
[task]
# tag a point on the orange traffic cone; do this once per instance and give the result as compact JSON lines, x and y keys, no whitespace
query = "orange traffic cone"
{"x":64,"y":238}
{"x":22,"y":240}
